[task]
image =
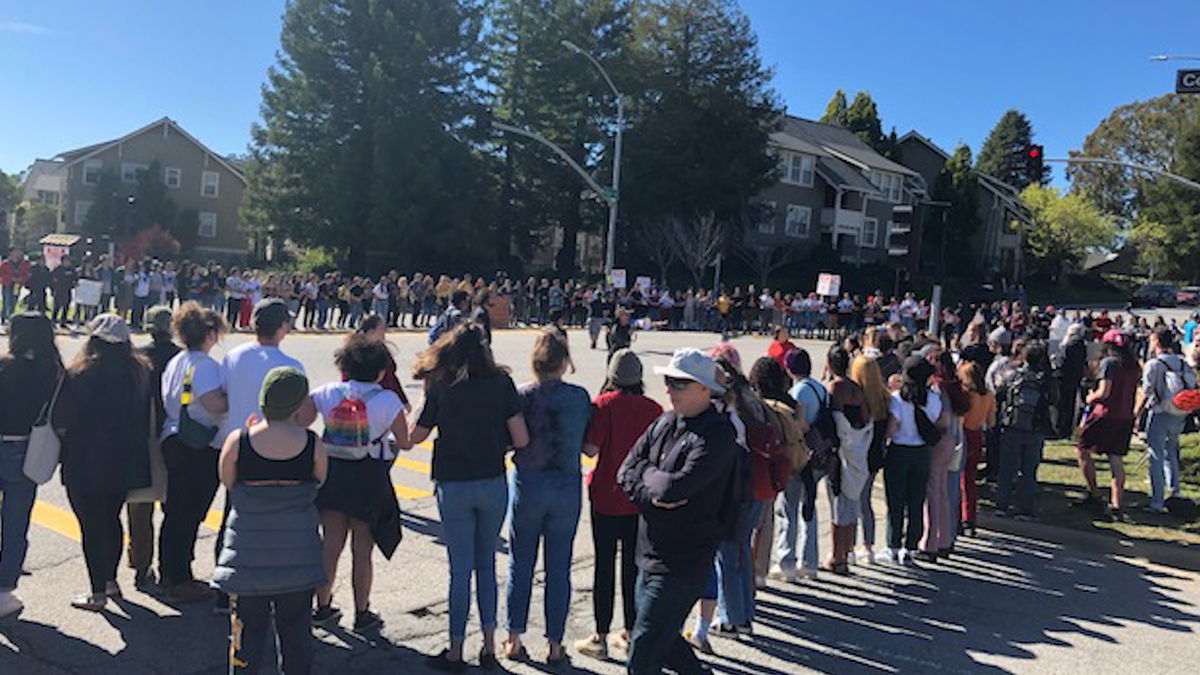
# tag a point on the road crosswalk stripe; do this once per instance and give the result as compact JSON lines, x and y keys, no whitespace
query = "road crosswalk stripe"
{"x":55,"y":519}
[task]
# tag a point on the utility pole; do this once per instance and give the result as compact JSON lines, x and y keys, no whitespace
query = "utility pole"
{"x":613,"y":194}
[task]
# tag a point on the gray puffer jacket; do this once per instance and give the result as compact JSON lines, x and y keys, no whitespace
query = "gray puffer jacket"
{"x":272,"y":541}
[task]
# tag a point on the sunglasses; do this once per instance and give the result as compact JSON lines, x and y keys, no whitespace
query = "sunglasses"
{"x":677,"y":384}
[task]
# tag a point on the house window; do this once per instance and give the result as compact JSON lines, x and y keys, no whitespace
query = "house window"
{"x":81,"y":211}
{"x":47,"y":197}
{"x":799,"y":218}
{"x":91,"y":171}
{"x":797,"y":168}
{"x":210,"y":183}
{"x":130,"y":171}
{"x":173,"y":177}
{"x":208,"y":225}
{"x":870,"y":237}
{"x":890,"y":185}
{"x":767,"y":224}
{"x":887,"y":234}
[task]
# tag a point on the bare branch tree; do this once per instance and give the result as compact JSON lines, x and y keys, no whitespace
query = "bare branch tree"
{"x":766,"y":255}
{"x":655,"y":240}
{"x":698,"y":241}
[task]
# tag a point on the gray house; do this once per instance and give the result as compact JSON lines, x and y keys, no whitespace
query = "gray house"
{"x":997,"y":249}
{"x":197,"y":178}
{"x":834,"y":190}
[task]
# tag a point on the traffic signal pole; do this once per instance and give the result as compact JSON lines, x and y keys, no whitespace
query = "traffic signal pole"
{"x":1137,"y":167}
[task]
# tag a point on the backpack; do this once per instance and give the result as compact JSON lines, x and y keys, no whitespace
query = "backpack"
{"x":773,"y":445}
{"x":1024,"y":401}
{"x":1177,"y":382}
{"x":446,"y":321}
{"x":347,"y":432}
{"x":822,"y":436}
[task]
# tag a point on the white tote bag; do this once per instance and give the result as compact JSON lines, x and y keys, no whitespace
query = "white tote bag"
{"x":41,"y":456}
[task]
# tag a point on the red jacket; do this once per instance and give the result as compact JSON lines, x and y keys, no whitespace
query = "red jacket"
{"x":14,"y":274}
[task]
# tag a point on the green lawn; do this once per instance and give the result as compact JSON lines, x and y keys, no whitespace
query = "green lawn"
{"x":1061,"y":481}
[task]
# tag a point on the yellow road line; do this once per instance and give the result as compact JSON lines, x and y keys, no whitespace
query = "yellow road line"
{"x":405,"y":492}
{"x":53,"y":518}
{"x":213,"y":520}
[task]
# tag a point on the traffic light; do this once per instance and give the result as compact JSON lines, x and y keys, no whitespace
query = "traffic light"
{"x":1034,"y":157}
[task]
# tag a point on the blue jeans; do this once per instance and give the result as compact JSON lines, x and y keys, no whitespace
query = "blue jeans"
{"x":380,"y":307}
{"x":545,"y":505}
{"x":663,"y":604}
{"x":10,"y":303}
{"x":792,"y":543}
{"x":19,"y":493}
{"x":1020,"y":453}
{"x":735,"y":570}
{"x":471,"y":513}
{"x":322,"y":313}
{"x":1162,"y":435}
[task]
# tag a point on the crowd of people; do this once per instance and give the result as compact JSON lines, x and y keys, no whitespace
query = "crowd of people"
{"x":697,"y":506}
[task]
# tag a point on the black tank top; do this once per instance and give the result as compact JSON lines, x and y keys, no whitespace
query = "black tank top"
{"x":252,"y":466}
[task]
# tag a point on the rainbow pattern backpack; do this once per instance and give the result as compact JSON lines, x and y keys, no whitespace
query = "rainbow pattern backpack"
{"x":347,"y":432}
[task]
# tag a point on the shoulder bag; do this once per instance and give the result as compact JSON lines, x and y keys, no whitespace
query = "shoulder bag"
{"x":44,"y":448}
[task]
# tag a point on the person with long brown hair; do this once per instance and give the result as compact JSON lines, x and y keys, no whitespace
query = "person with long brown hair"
{"x":980,"y":415}
{"x":476,"y":410}
{"x":103,"y":418}
{"x":855,"y":433}
{"x":29,"y":375}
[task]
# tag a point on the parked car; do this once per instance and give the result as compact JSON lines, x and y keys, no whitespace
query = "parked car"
{"x":1188,"y":296}
{"x":1154,"y":295}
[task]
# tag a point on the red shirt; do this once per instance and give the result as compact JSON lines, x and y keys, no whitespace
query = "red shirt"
{"x":778,"y":351}
{"x":618,"y":422}
{"x":14,"y":274}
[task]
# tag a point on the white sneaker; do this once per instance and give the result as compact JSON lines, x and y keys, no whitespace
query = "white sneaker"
{"x":889,"y":556}
{"x":851,"y":559}
{"x":10,"y":603}
{"x":780,"y":574}
{"x":865,"y":556}
{"x":807,"y":573}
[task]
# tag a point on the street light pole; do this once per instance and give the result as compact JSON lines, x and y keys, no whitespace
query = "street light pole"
{"x":613,"y":197}
{"x":1174,"y":57}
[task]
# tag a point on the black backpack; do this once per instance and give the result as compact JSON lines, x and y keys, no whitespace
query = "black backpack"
{"x":1025,"y":406}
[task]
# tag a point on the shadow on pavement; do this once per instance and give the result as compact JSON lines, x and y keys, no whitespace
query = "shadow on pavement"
{"x":1001,"y":596}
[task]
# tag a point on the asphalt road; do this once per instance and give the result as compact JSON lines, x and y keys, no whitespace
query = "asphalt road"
{"x":1008,"y":603}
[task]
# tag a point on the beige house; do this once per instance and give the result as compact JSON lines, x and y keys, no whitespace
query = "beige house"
{"x":197,"y":179}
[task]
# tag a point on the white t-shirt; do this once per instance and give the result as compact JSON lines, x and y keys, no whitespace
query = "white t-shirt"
{"x":206,"y":377}
{"x":905,"y":414}
{"x":382,"y":409}
{"x":242,"y":371}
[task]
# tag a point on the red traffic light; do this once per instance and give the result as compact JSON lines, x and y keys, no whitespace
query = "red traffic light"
{"x":1035,"y":152}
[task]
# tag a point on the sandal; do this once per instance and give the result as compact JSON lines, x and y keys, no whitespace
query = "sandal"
{"x":444,"y":663}
{"x":90,"y":602}
{"x":488,"y":661}
{"x":521,"y":654}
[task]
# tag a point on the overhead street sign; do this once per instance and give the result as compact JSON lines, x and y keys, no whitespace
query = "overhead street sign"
{"x":1187,"y":82}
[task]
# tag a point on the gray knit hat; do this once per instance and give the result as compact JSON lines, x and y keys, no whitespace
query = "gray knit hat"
{"x":625,"y":368}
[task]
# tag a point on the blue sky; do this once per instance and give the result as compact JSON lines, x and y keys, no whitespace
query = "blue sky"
{"x":79,"y":71}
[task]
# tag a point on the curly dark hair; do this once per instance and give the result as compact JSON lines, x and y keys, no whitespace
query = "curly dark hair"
{"x":362,"y":359}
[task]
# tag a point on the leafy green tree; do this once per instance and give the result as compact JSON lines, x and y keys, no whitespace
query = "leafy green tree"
{"x":837,"y":111}
{"x":957,"y":184}
{"x":863,"y":120}
{"x":10,"y":195}
{"x":1063,"y":229}
{"x":1167,"y":231}
{"x":545,"y":87}
{"x":1146,"y":133}
{"x":109,"y":214}
{"x":1003,"y":154}
{"x":362,"y":143}
{"x":37,"y":221}
{"x":699,"y":140}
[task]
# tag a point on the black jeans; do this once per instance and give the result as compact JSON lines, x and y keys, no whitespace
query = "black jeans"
{"x":606,"y":532}
{"x":663,"y":604}
{"x":905,"y":474}
{"x":99,"y":517}
{"x":250,"y":621}
{"x":141,"y":535}
{"x":191,"y":485}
